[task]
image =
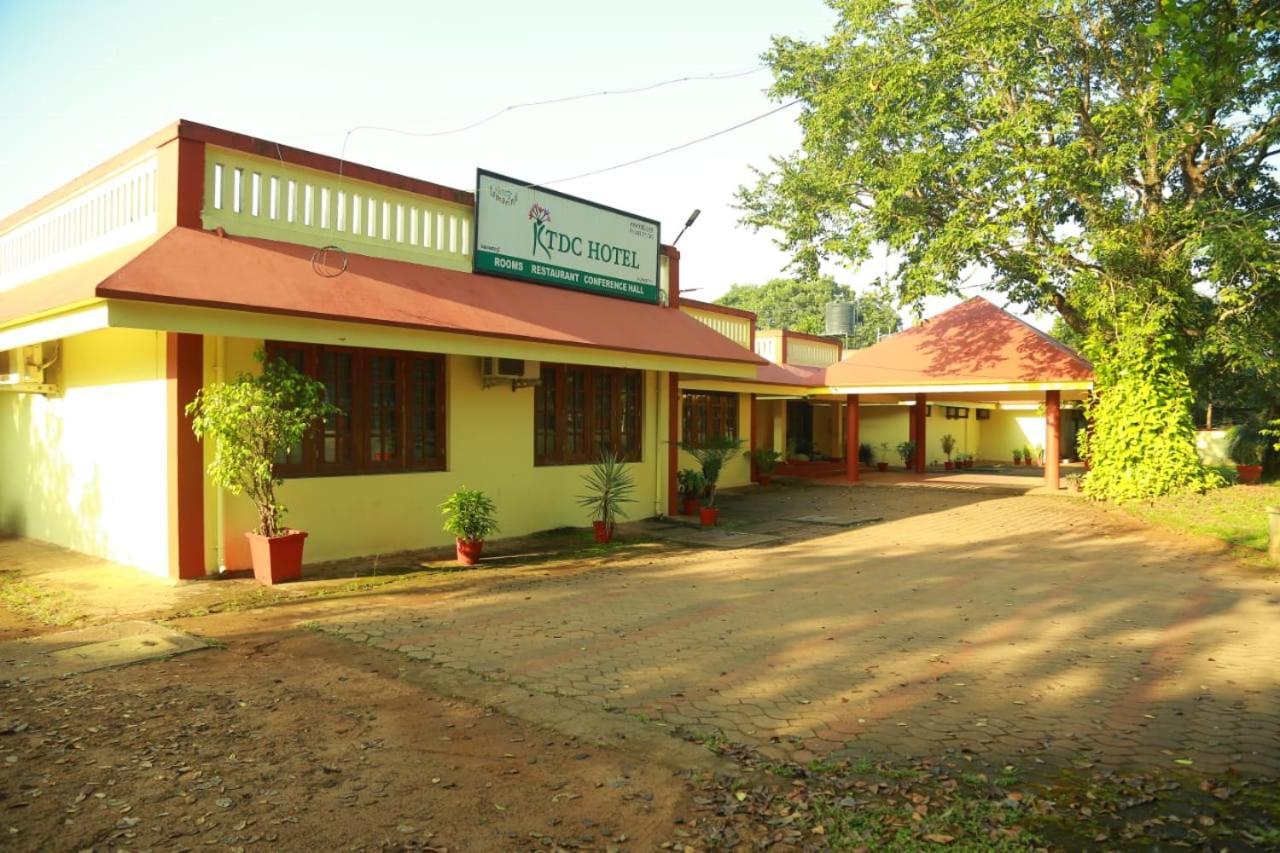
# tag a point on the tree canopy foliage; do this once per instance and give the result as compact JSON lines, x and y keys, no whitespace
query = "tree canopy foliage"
{"x":1110,"y":160}
{"x":800,"y":304}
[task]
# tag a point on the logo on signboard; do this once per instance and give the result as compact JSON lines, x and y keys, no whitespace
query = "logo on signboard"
{"x":539,"y":216}
{"x":504,"y":196}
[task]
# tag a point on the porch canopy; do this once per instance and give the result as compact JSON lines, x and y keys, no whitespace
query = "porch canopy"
{"x":972,"y":352}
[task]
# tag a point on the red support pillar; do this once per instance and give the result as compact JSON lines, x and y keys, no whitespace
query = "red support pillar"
{"x":922,"y":431}
{"x":673,"y":444}
{"x":184,"y":371}
{"x":852,"y":438}
{"x":1052,"y":448}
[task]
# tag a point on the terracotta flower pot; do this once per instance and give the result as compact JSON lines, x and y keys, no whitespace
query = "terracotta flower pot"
{"x":765,"y":479}
{"x":277,"y":559}
{"x":949,"y":465}
{"x":1249,"y":473}
{"x":469,"y":551}
{"x":603,"y":531}
{"x":882,"y":467}
{"x":709,"y":515}
{"x":690,"y":507}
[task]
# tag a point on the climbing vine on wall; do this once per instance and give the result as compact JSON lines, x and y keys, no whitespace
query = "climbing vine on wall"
{"x":1141,"y":442}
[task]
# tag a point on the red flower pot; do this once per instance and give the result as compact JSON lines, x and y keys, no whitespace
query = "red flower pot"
{"x":469,"y":551}
{"x":709,"y":516}
{"x":765,"y":479}
{"x":882,"y":466}
{"x":276,"y":559}
{"x":603,"y":531}
{"x":690,"y":507}
{"x":1249,"y":473}
{"x":949,"y":466}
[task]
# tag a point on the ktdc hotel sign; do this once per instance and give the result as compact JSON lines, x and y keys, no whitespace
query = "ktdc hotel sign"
{"x":538,"y":235}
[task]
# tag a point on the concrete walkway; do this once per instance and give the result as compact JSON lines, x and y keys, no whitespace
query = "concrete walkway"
{"x":1024,"y":629}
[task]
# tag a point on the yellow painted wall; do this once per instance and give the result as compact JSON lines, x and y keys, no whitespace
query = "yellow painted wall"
{"x":966,"y":431}
{"x":490,"y":447}
{"x":87,"y":469}
{"x":737,"y":471}
{"x":884,"y":425}
{"x":1008,"y":429}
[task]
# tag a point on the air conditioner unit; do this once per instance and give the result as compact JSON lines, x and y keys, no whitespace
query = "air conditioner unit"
{"x":519,"y":372}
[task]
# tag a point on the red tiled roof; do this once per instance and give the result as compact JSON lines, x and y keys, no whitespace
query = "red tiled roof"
{"x":193,"y":267}
{"x":972,"y":343}
{"x":790,"y":374}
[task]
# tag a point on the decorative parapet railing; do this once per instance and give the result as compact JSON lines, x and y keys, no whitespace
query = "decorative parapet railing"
{"x":258,"y":197}
{"x":806,"y":353}
{"x":735,"y":328}
{"x":113,"y":212}
{"x":769,"y":348}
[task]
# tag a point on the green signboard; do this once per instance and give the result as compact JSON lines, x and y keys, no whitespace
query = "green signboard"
{"x":538,"y":235}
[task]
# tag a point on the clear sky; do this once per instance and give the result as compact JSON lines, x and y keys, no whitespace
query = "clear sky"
{"x":85,"y":79}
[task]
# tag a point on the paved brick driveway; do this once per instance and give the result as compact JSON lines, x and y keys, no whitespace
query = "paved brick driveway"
{"x":1030,"y":629}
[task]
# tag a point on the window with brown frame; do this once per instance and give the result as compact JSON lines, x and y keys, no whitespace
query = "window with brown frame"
{"x":708,"y":415}
{"x":391,"y":411}
{"x":580,"y":412}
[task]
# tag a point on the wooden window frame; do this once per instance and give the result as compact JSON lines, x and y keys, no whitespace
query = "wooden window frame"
{"x":699,"y":410}
{"x":313,"y":465}
{"x":590,"y":450}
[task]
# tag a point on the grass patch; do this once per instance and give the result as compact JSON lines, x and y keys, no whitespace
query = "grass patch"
{"x":52,"y":607}
{"x":1236,"y":515}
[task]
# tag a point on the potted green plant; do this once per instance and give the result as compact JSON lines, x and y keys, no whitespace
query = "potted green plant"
{"x":948,"y":444}
{"x":1017,"y":456}
{"x":609,"y":485}
{"x":711,"y":456}
{"x":691,"y":486}
{"x":1244,"y":447}
{"x":882,"y":464}
{"x":471,"y":517}
{"x":256,"y":419}
{"x":1027,"y":458}
{"x":907,"y":450}
{"x":765,"y":460}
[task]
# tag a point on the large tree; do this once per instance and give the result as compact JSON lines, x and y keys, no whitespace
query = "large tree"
{"x":1110,"y":160}
{"x":800,"y":304}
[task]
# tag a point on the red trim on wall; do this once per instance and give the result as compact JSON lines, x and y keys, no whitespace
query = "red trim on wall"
{"x":853,"y":438}
{"x":184,"y":372}
{"x":673,"y":443}
{"x":190,"y":183}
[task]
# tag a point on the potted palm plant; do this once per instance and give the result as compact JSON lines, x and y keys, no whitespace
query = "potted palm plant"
{"x":882,"y":464}
{"x":948,"y":444}
{"x":1027,"y":458}
{"x":256,"y":419}
{"x":470,"y":515}
{"x":907,"y":450}
{"x":609,"y":485}
{"x":1017,"y":456}
{"x":765,"y":460}
{"x":691,"y":486}
{"x":711,"y":456}
{"x":1244,"y":447}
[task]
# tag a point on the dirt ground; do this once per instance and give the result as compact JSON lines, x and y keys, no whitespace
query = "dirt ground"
{"x":289,"y":740}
